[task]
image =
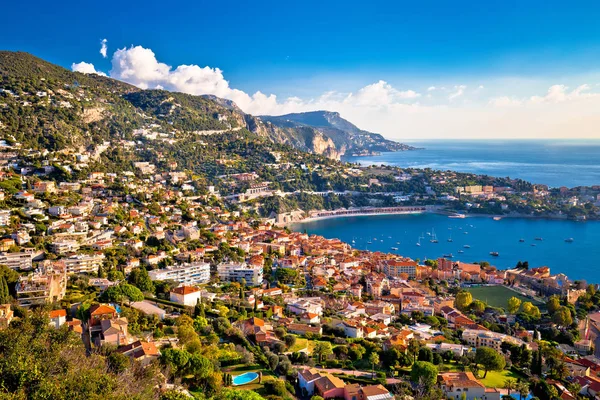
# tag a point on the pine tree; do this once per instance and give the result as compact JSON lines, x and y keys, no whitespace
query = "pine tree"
{"x":3,"y":291}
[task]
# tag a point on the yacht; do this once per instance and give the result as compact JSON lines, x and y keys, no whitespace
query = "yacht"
{"x":494,"y":253}
{"x":539,"y":238}
{"x":569,"y":240}
{"x":461,"y":251}
{"x":521,"y":240}
{"x":457,"y":216}
{"x":466,"y":246}
{"x":448,"y":255}
{"x":394,"y":248}
{"x":433,"y":237}
{"x":497,"y":218}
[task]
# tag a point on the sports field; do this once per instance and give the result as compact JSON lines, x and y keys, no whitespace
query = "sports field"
{"x":497,"y":296}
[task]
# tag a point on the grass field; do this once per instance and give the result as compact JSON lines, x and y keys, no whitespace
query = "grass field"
{"x":300,"y":344}
{"x":496,"y":379}
{"x":497,"y":296}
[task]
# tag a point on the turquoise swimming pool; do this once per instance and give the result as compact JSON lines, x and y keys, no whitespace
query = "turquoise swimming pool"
{"x":244,"y":378}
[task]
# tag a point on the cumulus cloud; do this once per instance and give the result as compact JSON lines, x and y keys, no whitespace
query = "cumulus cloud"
{"x":103,"y":48}
{"x":381,"y":107}
{"x":86,"y":68}
{"x":459,"y":90}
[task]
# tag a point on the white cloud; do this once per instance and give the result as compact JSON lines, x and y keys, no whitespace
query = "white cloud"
{"x":86,"y":68}
{"x":103,"y":47}
{"x":381,"y":107}
{"x":458,"y":91}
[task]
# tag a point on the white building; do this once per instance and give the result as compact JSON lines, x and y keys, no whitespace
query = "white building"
{"x":189,"y":274}
{"x":4,"y":217}
{"x":235,"y":272}
{"x":186,"y":295}
{"x":83,"y":264}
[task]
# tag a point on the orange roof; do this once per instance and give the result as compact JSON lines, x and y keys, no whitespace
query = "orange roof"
{"x":57,"y":313}
{"x":185,"y":290}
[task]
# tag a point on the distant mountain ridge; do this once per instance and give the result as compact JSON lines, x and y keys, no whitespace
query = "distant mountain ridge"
{"x":49,"y":107}
{"x":347,"y":137}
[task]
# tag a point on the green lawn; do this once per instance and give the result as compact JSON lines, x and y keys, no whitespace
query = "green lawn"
{"x":300,"y":344}
{"x":496,"y":379}
{"x":497,"y":296}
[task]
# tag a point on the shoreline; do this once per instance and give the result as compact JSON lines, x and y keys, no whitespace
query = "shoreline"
{"x":440,"y":212}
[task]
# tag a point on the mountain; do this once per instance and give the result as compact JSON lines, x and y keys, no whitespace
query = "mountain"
{"x":347,"y":137}
{"x":46,"y":107}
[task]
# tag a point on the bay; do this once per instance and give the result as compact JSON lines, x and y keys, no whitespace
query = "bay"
{"x":551,"y":162}
{"x":577,"y":259}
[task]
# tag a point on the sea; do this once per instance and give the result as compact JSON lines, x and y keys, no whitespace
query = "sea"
{"x":554,"y":163}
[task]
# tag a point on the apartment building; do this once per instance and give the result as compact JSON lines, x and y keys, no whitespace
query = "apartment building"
{"x":187,"y":273}
{"x":398,"y":268}
{"x":64,"y":246}
{"x":84,"y":263}
{"x":4,"y":217}
{"x":235,"y":272}
{"x":47,"y":284}
{"x":22,"y":260}
{"x":479,"y":338}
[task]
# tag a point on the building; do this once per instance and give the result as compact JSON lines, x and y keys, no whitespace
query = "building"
{"x":64,"y":246}
{"x":399,"y":269}
{"x":4,"y":217}
{"x":6,"y":315}
{"x":84,"y":263}
{"x":457,"y":384}
{"x":186,"y":295}
{"x":188,"y":273}
{"x":313,"y":381}
{"x":22,"y":260}
{"x":479,"y":338}
{"x":372,"y":392}
{"x":143,"y":352}
{"x":57,"y":318}
{"x":48,"y":284}
{"x":235,"y":272}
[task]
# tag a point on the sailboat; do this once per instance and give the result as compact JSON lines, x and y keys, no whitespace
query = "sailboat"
{"x":433,"y":237}
{"x":450,"y":238}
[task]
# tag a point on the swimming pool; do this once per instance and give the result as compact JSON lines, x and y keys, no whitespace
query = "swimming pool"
{"x":244,"y":378}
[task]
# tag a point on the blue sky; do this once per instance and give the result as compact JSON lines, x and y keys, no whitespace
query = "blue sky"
{"x":495,"y":49}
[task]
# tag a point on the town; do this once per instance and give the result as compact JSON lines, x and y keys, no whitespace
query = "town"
{"x":156,"y":260}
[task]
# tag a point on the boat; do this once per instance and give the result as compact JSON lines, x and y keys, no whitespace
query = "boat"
{"x":497,"y":218}
{"x":448,"y":255}
{"x":369,"y":242}
{"x":461,"y":251}
{"x":457,"y":216}
{"x":521,"y":240}
{"x":450,"y":240}
{"x":397,"y":242}
{"x":494,"y":253}
{"x":533,"y":244}
{"x":466,"y":246}
{"x":569,"y":240}
{"x":419,"y":241}
{"x":539,"y":239}
{"x":466,"y":233}
{"x":394,"y":248}
{"x":433,"y":237}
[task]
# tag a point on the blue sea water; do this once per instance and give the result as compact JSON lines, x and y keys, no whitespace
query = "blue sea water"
{"x":551,"y":162}
{"x":578,"y":259}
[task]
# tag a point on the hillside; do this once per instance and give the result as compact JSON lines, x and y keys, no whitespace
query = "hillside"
{"x":47,"y":107}
{"x":347,"y":137}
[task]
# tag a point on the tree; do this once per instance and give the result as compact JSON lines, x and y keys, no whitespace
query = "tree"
{"x":477,"y":306}
{"x":122,"y":292}
{"x":4,"y":293}
{"x":523,"y":388}
{"x":553,"y":304}
{"x":510,"y":384}
{"x":139,"y":277}
{"x":463,"y":300}
{"x":425,"y":354}
{"x":374,"y":360}
{"x":562,"y":316}
{"x":424,"y":373}
{"x":489,"y":359}
{"x":323,"y":349}
{"x":514,"y":303}
{"x":531,"y":311}
{"x":413,"y":348}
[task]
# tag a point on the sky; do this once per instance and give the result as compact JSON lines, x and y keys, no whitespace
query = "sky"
{"x":409,"y":70}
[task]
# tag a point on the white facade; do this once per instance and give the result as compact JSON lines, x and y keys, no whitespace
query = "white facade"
{"x":235,"y":272}
{"x":190,"y":274}
{"x":83,"y":264}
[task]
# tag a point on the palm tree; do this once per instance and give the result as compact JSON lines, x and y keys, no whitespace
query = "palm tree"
{"x":510,"y":385}
{"x":523,"y":389}
{"x":374,"y":359}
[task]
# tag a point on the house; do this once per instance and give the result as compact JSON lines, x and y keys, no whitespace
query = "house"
{"x":457,"y":384}
{"x":313,"y":381}
{"x":186,"y":295}
{"x":114,"y":331}
{"x":143,"y":352}
{"x":310,"y":318}
{"x":372,"y":392}
{"x":57,"y":318}
{"x":6,"y":315}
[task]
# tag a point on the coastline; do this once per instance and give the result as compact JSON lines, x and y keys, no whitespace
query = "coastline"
{"x":441,"y":212}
